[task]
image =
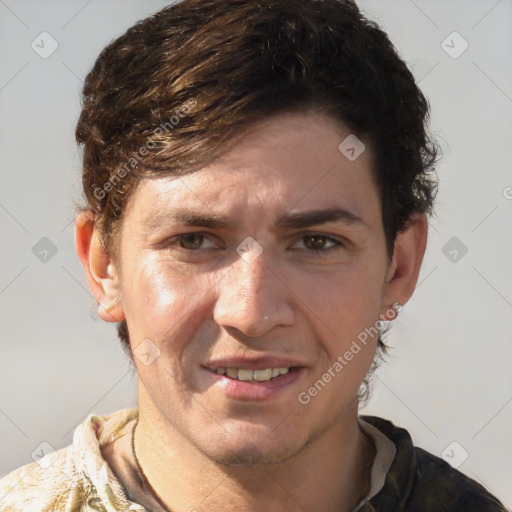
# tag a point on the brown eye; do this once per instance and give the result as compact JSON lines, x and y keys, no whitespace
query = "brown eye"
{"x":191,"y":241}
{"x":317,"y":242}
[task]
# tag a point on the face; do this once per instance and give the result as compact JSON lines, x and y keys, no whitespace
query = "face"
{"x":245,"y":282}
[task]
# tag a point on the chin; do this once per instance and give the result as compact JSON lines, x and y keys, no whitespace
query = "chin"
{"x":256,"y":451}
{"x":250,"y":456}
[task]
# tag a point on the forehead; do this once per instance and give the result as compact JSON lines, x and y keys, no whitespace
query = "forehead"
{"x":290,"y":162}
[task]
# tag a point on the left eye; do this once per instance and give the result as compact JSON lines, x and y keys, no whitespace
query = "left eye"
{"x":320,"y":242}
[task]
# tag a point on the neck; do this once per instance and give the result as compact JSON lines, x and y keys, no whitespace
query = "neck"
{"x":331,"y":473}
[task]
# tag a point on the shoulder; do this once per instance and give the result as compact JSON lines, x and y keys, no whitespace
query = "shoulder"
{"x":421,"y":482}
{"x":73,"y":479}
{"x":449,"y":489}
{"x":51,"y":483}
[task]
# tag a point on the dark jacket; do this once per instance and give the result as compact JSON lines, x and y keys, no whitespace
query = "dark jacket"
{"x":418,"y":481}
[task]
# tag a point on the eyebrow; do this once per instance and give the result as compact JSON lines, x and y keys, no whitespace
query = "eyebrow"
{"x":316,"y":217}
{"x":289,"y":220}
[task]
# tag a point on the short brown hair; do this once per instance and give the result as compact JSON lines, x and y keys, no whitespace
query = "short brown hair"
{"x":182,"y":86}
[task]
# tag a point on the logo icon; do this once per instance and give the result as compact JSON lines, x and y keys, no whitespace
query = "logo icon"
{"x":44,"y":250}
{"x":44,"y":454}
{"x":454,"y":454}
{"x":454,"y":249}
{"x":352,"y":147}
{"x":249,"y":250}
{"x":146,"y":352}
{"x":454,"y":45}
{"x":44,"y":45}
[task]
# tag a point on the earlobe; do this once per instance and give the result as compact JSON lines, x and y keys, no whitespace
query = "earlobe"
{"x":403,"y":272}
{"x":99,"y":269}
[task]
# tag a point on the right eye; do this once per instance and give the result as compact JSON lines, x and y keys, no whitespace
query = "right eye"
{"x":190,"y":241}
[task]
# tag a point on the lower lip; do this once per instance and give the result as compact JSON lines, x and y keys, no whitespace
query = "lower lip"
{"x":255,"y":390}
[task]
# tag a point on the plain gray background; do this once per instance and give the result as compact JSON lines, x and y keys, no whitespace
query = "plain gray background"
{"x":448,"y":379}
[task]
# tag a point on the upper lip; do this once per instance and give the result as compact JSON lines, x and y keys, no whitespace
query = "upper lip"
{"x":253,"y":363}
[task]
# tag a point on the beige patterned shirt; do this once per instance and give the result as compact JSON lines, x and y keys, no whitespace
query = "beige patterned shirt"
{"x":76,"y":478}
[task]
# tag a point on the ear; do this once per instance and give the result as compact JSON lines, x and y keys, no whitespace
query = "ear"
{"x":99,"y":269}
{"x":404,"y":269}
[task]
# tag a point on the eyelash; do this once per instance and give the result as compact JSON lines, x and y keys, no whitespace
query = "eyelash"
{"x":174,"y":242}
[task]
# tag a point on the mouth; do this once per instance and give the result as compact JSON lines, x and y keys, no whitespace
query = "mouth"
{"x":248,"y":375}
{"x":256,"y":379}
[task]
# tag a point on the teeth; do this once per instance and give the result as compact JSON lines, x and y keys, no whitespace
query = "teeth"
{"x":232,"y":373}
{"x":261,"y":374}
{"x":245,"y":374}
{"x":256,"y":375}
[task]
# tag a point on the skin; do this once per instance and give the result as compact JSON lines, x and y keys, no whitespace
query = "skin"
{"x":200,"y":301}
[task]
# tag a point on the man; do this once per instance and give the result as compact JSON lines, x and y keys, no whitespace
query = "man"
{"x":257,"y":177}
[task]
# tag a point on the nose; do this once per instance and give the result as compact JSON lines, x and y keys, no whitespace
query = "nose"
{"x":253,"y":298}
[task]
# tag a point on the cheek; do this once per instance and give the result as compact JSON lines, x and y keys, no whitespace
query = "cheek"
{"x":162,"y":304}
{"x":345,"y":308}
{"x":168,"y":308}
{"x":344,"y":302}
